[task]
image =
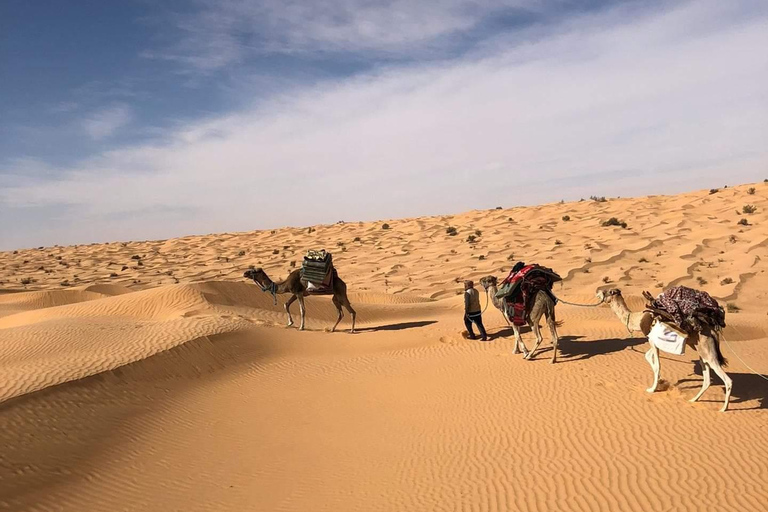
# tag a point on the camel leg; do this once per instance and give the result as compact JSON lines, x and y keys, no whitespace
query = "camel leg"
{"x":341,"y":313}
{"x":288,"y":309}
{"x":555,"y":338}
{"x":727,"y":381}
{"x":539,"y":339}
{"x":351,"y":312}
{"x":652,"y":356}
{"x":303,"y":311}
{"x":519,"y":341}
{"x":707,"y":380}
{"x":712,"y":361}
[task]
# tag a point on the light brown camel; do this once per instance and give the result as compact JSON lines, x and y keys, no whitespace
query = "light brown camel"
{"x":294,"y":286}
{"x":543,"y":305}
{"x":706,"y":344}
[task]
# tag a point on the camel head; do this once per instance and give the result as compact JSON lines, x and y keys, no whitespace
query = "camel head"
{"x":488,"y":281}
{"x":257,"y":275}
{"x":608,"y":295}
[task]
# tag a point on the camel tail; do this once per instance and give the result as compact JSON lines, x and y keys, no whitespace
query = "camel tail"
{"x":720,"y":357}
{"x":551,"y":314}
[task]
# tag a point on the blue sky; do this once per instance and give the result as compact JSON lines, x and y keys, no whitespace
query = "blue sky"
{"x":140,"y":119}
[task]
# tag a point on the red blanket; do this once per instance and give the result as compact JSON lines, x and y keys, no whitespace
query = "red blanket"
{"x":522,"y":302}
{"x":520,"y":274}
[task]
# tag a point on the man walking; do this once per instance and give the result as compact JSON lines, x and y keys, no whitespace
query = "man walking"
{"x":473,"y":311}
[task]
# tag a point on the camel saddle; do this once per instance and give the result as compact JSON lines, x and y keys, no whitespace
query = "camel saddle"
{"x":540,"y":277}
{"x":686,"y":309}
{"x":520,"y":288}
{"x":317,"y":272}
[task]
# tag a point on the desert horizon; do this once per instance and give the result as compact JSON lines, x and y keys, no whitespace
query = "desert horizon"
{"x":152,"y":375}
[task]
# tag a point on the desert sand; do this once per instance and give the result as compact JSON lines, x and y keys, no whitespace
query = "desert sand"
{"x":142,"y":376}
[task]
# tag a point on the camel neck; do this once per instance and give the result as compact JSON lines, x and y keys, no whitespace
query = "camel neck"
{"x":624,"y":314}
{"x":270,"y":284}
{"x":279,"y":287}
{"x":493,"y":290}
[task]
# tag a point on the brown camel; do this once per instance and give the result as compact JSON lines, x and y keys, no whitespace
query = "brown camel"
{"x":706,"y":344}
{"x":542,"y":306}
{"x":294,"y":286}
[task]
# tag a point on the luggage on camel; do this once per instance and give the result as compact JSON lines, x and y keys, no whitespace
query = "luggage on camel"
{"x":687,"y":309}
{"x":543,"y":276}
{"x":667,"y":338}
{"x":317,"y":271}
{"x":521,"y":286}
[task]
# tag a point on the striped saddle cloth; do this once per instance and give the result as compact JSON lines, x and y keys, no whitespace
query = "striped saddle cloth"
{"x":317,"y":268}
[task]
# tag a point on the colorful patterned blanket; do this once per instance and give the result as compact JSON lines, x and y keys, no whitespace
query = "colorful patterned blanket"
{"x":689,"y":307}
{"x":520,"y":288}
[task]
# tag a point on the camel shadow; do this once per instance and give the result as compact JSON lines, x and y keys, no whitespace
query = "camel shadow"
{"x":397,"y":327}
{"x":571,"y":350}
{"x":580,"y":351}
{"x":507,"y":332}
{"x":746,"y":387}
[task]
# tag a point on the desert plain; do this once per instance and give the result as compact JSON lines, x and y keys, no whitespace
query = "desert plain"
{"x":149,"y":375}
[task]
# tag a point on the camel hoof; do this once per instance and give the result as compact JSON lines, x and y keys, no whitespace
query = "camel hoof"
{"x":552,"y":362}
{"x":651,"y":390}
{"x":693,"y":400}
{"x":724,"y":409}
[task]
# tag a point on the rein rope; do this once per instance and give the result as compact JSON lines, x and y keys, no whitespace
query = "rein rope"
{"x":487,"y":299}
{"x":730,"y":347}
{"x":580,"y":305}
{"x":271,"y":289}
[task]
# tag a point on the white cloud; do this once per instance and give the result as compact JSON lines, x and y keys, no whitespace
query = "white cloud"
{"x":223,"y":32}
{"x":104,"y":123}
{"x":610,"y":106}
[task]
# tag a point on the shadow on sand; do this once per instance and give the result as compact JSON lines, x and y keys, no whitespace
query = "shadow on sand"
{"x":570,"y":349}
{"x":746,"y":387}
{"x":397,"y":327}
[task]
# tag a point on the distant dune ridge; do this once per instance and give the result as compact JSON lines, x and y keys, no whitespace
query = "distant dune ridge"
{"x":151,"y":376}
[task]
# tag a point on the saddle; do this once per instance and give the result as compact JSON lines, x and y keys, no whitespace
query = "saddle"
{"x":520,"y":289}
{"x":691,"y":309}
{"x":317,"y":272}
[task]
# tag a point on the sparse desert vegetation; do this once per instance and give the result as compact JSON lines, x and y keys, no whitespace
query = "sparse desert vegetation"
{"x":183,"y":341}
{"x":613,"y":221}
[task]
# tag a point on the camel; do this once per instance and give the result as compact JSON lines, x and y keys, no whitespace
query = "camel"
{"x":294,"y":286}
{"x":543,"y":306}
{"x":706,"y":344}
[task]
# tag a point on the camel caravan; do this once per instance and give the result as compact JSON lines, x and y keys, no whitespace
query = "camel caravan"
{"x":678,"y":317}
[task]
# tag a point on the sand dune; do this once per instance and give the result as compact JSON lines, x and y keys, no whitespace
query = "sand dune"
{"x":156,"y":378}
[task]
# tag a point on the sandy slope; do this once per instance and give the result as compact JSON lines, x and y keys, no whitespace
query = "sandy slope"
{"x":175,"y":385}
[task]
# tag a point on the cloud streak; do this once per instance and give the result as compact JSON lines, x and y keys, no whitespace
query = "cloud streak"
{"x":104,"y":123}
{"x":658,"y":103}
{"x":223,"y":32}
